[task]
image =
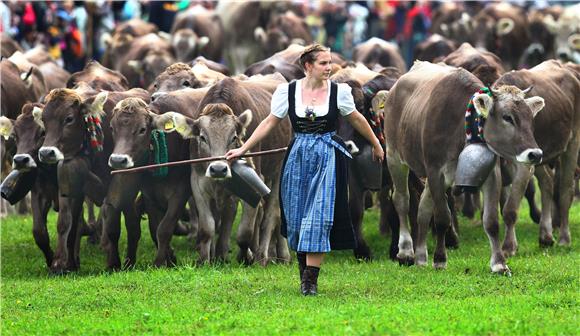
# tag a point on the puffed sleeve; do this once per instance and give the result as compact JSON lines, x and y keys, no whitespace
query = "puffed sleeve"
{"x":279,"y":104}
{"x":345,"y":100}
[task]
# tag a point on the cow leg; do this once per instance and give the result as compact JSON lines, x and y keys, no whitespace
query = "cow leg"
{"x":63,"y":228}
{"x":510,"y":209}
{"x":468,"y":209}
{"x":356,"y":203}
{"x":423,"y":219}
{"x":491,"y":191}
{"x":400,"y":174}
{"x":40,"y":206}
{"x":225,"y":229}
{"x":535,"y":213}
{"x":207,"y":224}
{"x":193,"y":219}
{"x":567,"y":168}
{"x":441,"y":216}
{"x":93,"y":223}
{"x":267,"y":227}
{"x":112,"y":232}
{"x":546,"y":183}
{"x":452,"y":237}
{"x":245,"y":234}
{"x":165,"y":229}
{"x":389,"y":219}
{"x":154,"y":215}
{"x":133,"y":227}
{"x":281,"y":245}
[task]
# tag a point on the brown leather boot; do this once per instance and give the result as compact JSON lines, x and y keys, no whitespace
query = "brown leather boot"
{"x":310,"y":280}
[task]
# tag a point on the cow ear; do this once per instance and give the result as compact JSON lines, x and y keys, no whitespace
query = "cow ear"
{"x":378,"y":102}
{"x":37,"y":115}
{"x":483,"y":104}
{"x":202,"y":41}
{"x":244,"y":121}
{"x":175,"y":122}
{"x":6,"y":127}
{"x":504,"y":26}
{"x":536,"y":104}
{"x":97,"y":107}
{"x":552,"y":25}
{"x":137,"y":66}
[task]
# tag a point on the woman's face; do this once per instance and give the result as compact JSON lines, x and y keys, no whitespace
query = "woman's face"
{"x":321,"y":66}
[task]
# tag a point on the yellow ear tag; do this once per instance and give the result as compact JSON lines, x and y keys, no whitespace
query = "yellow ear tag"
{"x":180,"y":129}
{"x":169,"y":125}
{"x":382,"y":105}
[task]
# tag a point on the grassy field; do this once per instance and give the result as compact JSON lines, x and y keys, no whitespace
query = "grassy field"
{"x":376,"y":298}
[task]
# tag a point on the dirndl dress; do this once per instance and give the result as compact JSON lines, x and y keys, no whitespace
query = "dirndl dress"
{"x":314,"y":183}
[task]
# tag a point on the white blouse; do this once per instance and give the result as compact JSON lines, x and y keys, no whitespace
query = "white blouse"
{"x":279,"y":105}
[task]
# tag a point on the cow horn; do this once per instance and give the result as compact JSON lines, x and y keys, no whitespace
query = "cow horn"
{"x":504,"y":26}
{"x":574,"y":41}
{"x":26,"y":76}
{"x":527,"y":90}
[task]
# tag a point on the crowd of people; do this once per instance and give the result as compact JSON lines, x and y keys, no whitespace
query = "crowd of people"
{"x":73,"y":30}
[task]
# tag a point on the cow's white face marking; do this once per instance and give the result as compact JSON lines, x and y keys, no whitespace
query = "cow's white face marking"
{"x":52,"y":153}
{"x":218,"y":170}
{"x":352,"y":147}
{"x":530,"y":156}
{"x":121,"y":161}
{"x":27,"y":162}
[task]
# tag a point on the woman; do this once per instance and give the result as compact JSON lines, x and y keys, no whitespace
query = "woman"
{"x":313,"y":187}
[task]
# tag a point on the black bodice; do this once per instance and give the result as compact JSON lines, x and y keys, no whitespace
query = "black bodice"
{"x":324,"y":124}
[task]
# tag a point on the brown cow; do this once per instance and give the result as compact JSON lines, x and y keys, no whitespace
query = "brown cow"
{"x":54,"y":75}
{"x":541,"y":38}
{"x":483,"y":64}
{"x":282,"y":30}
{"x":8,"y":46}
{"x":424,"y":131}
{"x":557,"y":132}
{"x":35,"y":81}
{"x":82,"y":170}
{"x":197,"y":31}
{"x":434,"y":48}
{"x":377,"y":51}
{"x":164,"y":193}
{"x":567,"y":32}
{"x":98,"y":77}
{"x":230,"y":110}
{"x":132,"y":28}
{"x":180,"y":75}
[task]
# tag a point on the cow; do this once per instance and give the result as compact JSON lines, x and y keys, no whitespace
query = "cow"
{"x":35,"y":81}
{"x":98,"y":77}
{"x":54,"y":75}
{"x":567,"y":34}
{"x":424,"y":132}
{"x":141,"y":59}
{"x":557,"y":131}
{"x":282,"y":30}
{"x":378,"y":51}
{"x":135,"y":132}
{"x":541,"y":38}
{"x":80,"y":149}
{"x":8,"y":46}
{"x":434,"y":48}
{"x":211,"y":65}
{"x":132,"y":28}
{"x":197,"y":31}
{"x":180,"y":75}
{"x":230,"y":110}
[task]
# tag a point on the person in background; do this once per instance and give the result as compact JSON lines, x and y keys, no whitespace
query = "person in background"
{"x":314,"y":182}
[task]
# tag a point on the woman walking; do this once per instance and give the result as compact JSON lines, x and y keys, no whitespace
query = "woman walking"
{"x":314,"y":183}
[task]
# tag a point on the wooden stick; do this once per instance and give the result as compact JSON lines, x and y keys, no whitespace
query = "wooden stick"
{"x":192,"y":161}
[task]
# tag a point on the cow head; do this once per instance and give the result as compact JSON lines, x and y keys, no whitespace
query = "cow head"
{"x":154,"y":63}
{"x":187,"y":44}
{"x":98,"y":77}
{"x":508,"y":127}
{"x":63,"y":120}
{"x":132,"y":123}
{"x":216,"y":131}
{"x":27,"y":134}
{"x":567,"y":32}
{"x":176,"y":77}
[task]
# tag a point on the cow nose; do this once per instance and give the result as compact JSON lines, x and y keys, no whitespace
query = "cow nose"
{"x":118,"y":161}
{"x":47,"y":155}
{"x":23,"y":161}
{"x":535,"y":156}
{"x":218,"y":170}
{"x":156,"y":95}
{"x":563,"y":55}
{"x":20,"y":160}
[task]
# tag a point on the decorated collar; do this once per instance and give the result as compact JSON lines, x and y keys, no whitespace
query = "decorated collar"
{"x":474,"y":121}
{"x":95,"y":135}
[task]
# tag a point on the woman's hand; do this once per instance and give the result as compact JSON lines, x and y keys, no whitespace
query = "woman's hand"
{"x":235,"y":153}
{"x":378,"y":152}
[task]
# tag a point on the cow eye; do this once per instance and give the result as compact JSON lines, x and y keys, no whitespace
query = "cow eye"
{"x":142,"y":130}
{"x":202,"y":138}
{"x":508,"y":119}
{"x":235,"y":139}
{"x":186,"y":83}
{"x":69,"y":120}
{"x":156,"y":86}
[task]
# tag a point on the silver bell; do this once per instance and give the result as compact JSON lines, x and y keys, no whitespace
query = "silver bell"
{"x":475,"y":163}
{"x":246,"y":184}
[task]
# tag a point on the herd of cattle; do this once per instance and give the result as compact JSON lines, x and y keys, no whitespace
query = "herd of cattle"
{"x":149,"y":99}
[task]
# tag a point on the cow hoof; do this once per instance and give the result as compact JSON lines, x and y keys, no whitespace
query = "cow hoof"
{"x":58,"y":268}
{"x":421,"y":262}
{"x":546,"y":242}
{"x":564,"y":241}
{"x":439,"y":265}
{"x":501,"y":269}
{"x":363,"y":257}
{"x":406,"y":261}
{"x":509,"y":249}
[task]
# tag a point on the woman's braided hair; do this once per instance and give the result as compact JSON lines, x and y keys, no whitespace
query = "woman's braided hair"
{"x":309,"y":54}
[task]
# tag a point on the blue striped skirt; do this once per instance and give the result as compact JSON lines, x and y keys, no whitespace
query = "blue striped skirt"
{"x":308,"y":191}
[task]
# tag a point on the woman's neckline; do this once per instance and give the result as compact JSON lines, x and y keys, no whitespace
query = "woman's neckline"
{"x":301,"y":82}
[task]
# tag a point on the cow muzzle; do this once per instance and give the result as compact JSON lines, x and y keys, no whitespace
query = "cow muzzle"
{"x":23,"y":162}
{"x":530,"y":156}
{"x":157,"y":94}
{"x":120,"y":161}
{"x":50,"y":155}
{"x":352,"y":147}
{"x":218,"y":170}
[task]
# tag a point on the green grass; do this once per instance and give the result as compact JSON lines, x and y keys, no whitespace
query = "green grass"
{"x":377,"y":298}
